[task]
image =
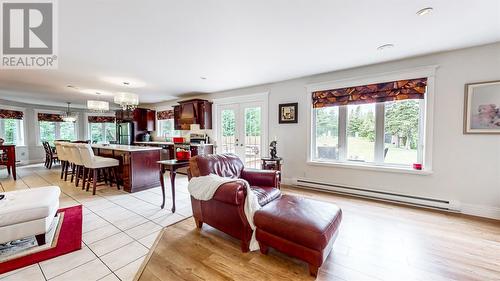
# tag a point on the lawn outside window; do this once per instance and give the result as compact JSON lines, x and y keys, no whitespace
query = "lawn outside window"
{"x":377,"y":132}
{"x":383,"y":134}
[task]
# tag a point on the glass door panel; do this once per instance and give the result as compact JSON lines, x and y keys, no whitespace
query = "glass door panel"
{"x":227,"y":135}
{"x":253,"y":136}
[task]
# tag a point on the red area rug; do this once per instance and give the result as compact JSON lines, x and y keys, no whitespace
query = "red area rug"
{"x":67,"y":239}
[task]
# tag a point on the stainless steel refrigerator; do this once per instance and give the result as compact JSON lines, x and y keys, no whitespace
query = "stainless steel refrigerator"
{"x":125,"y":133}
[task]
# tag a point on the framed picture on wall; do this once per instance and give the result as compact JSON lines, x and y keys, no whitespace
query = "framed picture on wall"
{"x":482,"y":108}
{"x":288,"y":113}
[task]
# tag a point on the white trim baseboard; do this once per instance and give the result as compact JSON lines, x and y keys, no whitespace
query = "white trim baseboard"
{"x":490,"y":212}
{"x":483,"y":211}
{"x":31,"y":161}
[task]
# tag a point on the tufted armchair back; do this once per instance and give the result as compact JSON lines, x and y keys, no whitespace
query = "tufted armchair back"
{"x":226,"y":165}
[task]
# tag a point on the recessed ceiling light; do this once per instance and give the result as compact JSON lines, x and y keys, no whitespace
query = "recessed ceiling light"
{"x":385,"y":46}
{"x":203,"y":78}
{"x":95,"y":91}
{"x":71,"y":86}
{"x":128,"y":82}
{"x":425,"y":11}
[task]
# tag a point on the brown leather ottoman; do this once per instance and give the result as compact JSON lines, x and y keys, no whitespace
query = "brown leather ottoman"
{"x":300,"y":227}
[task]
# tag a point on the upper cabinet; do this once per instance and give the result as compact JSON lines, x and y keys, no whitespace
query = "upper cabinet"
{"x":194,"y":111}
{"x":144,"y":119}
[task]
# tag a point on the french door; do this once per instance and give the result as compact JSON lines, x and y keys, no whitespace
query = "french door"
{"x":241,"y":131}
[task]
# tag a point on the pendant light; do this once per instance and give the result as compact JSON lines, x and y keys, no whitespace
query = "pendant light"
{"x":69,"y":116}
{"x":98,"y":105}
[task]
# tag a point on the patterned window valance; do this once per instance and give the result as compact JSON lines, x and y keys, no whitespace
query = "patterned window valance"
{"x":50,"y":117}
{"x":164,"y":115}
{"x":102,"y":119}
{"x":11,"y":114}
{"x":381,"y":92}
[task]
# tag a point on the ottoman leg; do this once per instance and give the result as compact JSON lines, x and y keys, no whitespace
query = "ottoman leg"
{"x":40,"y":239}
{"x":313,"y":270}
{"x":263,"y":248}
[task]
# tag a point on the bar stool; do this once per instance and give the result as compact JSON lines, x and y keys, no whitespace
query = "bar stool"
{"x":77,"y":167}
{"x":62,"y":157}
{"x":69,"y":158}
{"x":94,"y":164}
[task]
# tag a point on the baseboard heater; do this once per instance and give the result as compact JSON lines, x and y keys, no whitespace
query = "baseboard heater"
{"x":448,"y":205}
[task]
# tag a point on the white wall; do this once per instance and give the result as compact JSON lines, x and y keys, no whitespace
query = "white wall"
{"x":466,"y":167}
{"x":31,"y":151}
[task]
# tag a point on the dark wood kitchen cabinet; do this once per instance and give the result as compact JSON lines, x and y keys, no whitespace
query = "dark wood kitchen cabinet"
{"x":144,"y":119}
{"x":147,"y":120}
{"x":194,"y":111}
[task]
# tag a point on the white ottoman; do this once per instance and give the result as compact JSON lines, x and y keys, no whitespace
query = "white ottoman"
{"x":28,"y":212}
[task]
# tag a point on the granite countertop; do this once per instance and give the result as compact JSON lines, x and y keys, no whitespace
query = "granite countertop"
{"x":127,"y":148}
{"x":168,"y":143}
{"x":155,"y":142}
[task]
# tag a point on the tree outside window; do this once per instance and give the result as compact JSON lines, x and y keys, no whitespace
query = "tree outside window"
{"x":51,"y":131}
{"x":401,"y":133}
{"x":11,"y":130}
{"x":167,"y":128}
{"x":102,"y":132}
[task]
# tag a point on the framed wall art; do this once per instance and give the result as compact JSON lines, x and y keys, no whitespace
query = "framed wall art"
{"x":482,"y":108}
{"x":288,"y":113}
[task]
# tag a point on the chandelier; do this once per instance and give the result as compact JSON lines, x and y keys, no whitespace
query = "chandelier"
{"x":128,"y":101}
{"x":97,"y":105}
{"x":69,"y":116}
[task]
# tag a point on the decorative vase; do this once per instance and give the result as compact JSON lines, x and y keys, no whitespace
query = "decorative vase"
{"x":1,"y":141}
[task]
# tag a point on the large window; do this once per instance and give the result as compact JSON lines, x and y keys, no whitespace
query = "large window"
{"x":50,"y":131}
{"x":365,"y":129}
{"x":11,"y":130}
{"x":102,"y":132}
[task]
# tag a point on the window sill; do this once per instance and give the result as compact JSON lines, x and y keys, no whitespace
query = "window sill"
{"x":371,"y":167}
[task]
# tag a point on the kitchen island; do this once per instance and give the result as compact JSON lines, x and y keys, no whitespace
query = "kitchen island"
{"x":138,"y":168}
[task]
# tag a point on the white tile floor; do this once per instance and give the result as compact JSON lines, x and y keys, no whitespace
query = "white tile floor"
{"x":118,"y":227}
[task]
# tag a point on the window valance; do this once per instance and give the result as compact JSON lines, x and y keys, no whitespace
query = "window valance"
{"x":101,"y":119}
{"x":381,"y":92}
{"x":50,"y":117}
{"x":165,"y":114}
{"x":11,"y":114}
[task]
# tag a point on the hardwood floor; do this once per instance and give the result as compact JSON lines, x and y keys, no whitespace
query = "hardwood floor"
{"x":377,"y":241}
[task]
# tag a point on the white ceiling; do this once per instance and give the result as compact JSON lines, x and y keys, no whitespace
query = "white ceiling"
{"x":168,"y":45}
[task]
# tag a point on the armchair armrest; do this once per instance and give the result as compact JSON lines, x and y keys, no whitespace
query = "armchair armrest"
{"x":257,"y":177}
{"x":231,"y":193}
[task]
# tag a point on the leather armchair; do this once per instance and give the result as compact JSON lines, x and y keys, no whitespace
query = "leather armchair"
{"x":225,"y":211}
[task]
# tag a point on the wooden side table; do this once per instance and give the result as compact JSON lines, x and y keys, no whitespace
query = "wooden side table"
{"x":8,"y":158}
{"x":272,"y":164}
{"x":172,"y":166}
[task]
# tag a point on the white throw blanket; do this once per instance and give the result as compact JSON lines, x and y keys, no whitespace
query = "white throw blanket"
{"x":204,"y":188}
